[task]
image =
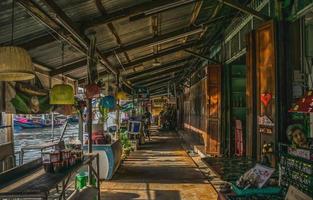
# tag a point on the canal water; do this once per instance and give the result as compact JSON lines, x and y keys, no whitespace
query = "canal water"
{"x":37,"y":136}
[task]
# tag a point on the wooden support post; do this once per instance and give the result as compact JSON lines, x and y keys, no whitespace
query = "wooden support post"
{"x":89,"y":130}
{"x":118,"y":109}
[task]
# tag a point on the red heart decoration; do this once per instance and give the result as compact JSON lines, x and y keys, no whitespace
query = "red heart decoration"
{"x":266,"y":98}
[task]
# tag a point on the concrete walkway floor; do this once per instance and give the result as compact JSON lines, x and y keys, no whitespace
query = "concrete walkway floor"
{"x":160,"y":170}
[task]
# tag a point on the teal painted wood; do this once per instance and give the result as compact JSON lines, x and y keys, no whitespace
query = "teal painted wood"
{"x":113,"y":154}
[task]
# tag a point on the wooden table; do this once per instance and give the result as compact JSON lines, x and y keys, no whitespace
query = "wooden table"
{"x":38,"y":183}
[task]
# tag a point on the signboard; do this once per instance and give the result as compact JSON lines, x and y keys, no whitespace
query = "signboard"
{"x":158,"y":102}
{"x":295,"y":194}
{"x":260,"y":174}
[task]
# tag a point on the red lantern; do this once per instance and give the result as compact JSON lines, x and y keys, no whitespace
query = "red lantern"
{"x":92,"y":91}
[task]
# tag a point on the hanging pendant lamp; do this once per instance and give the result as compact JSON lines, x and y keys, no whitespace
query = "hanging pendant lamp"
{"x":15,"y":62}
{"x":121,"y":95}
{"x":62,"y":94}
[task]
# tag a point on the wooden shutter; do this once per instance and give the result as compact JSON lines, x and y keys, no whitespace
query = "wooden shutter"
{"x":212,"y":140}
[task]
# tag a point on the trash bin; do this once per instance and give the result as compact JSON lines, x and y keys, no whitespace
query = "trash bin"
{"x":81,"y":180}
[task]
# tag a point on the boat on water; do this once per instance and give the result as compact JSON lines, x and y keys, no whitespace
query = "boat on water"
{"x":34,"y":121}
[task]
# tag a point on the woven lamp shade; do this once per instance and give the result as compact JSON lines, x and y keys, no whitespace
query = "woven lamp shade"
{"x":15,"y":64}
{"x":121,"y":95}
{"x":62,"y":94}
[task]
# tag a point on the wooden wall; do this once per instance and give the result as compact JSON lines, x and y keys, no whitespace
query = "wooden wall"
{"x":202,"y":109}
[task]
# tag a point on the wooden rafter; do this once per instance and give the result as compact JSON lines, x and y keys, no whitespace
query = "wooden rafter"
{"x":245,"y":9}
{"x":59,"y":18}
{"x":148,"y":42}
{"x":160,"y":70}
{"x":111,"y":27}
{"x":160,"y":54}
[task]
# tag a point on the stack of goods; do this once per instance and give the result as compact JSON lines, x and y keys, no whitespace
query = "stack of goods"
{"x":296,"y":167}
{"x":61,"y":160}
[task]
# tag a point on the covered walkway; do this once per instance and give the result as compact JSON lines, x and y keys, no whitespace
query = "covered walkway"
{"x":161,"y":169}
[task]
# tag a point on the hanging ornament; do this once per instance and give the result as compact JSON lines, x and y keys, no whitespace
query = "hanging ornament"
{"x":62,"y":94}
{"x":15,"y":62}
{"x":266,"y":98}
{"x":121,"y":95}
{"x":108,"y":102}
{"x":92,"y":91}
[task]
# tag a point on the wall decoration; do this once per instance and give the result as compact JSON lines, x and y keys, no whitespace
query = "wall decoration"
{"x":23,"y":98}
{"x":265,"y":121}
{"x":266,"y":98}
{"x":304,"y":104}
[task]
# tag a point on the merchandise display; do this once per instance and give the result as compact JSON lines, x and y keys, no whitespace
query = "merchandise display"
{"x":296,"y":169}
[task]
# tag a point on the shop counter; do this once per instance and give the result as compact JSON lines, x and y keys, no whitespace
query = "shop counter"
{"x":110,"y":156}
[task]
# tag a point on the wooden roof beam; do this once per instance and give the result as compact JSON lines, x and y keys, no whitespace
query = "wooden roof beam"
{"x":137,"y":11}
{"x":163,"y":67}
{"x":111,"y":27}
{"x":245,"y":9}
{"x":158,"y":81}
{"x":174,"y":35}
{"x":163,"y":75}
{"x":75,"y":33}
{"x":160,"y":54}
{"x":202,"y":57}
{"x":167,"y":37}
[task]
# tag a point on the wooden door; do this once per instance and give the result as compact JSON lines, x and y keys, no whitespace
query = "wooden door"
{"x":212,"y":139}
{"x":266,"y":85}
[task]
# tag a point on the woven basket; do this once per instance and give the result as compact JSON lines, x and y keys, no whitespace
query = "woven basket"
{"x":62,"y":94}
{"x":15,"y":64}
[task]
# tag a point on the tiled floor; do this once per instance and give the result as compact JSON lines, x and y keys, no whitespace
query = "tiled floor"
{"x":160,"y":170}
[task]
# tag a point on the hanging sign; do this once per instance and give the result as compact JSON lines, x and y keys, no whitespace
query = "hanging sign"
{"x":265,"y":121}
{"x":304,"y":104}
{"x":266,"y":125}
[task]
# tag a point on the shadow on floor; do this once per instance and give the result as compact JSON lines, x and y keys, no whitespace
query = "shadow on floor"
{"x":119,"y":195}
{"x":167,"y":194}
{"x":158,"y":195}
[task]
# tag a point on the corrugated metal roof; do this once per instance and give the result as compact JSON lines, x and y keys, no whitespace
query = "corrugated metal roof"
{"x":28,"y":29}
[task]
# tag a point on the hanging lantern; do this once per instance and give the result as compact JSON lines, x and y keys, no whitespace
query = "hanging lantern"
{"x":121,"y":95}
{"x":108,"y":102}
{"x":15,"y":64}
{"x":62,"y":94}
{"x":92,"y":91}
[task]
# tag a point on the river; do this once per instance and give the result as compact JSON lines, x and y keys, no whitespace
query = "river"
{"x":36,"y":136}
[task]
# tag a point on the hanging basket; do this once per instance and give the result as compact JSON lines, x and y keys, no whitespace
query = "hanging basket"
{"x":92,"y":91}
{"x":108,"y":102}
{"x":62,"y":94}
{"x":15,"y":64}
